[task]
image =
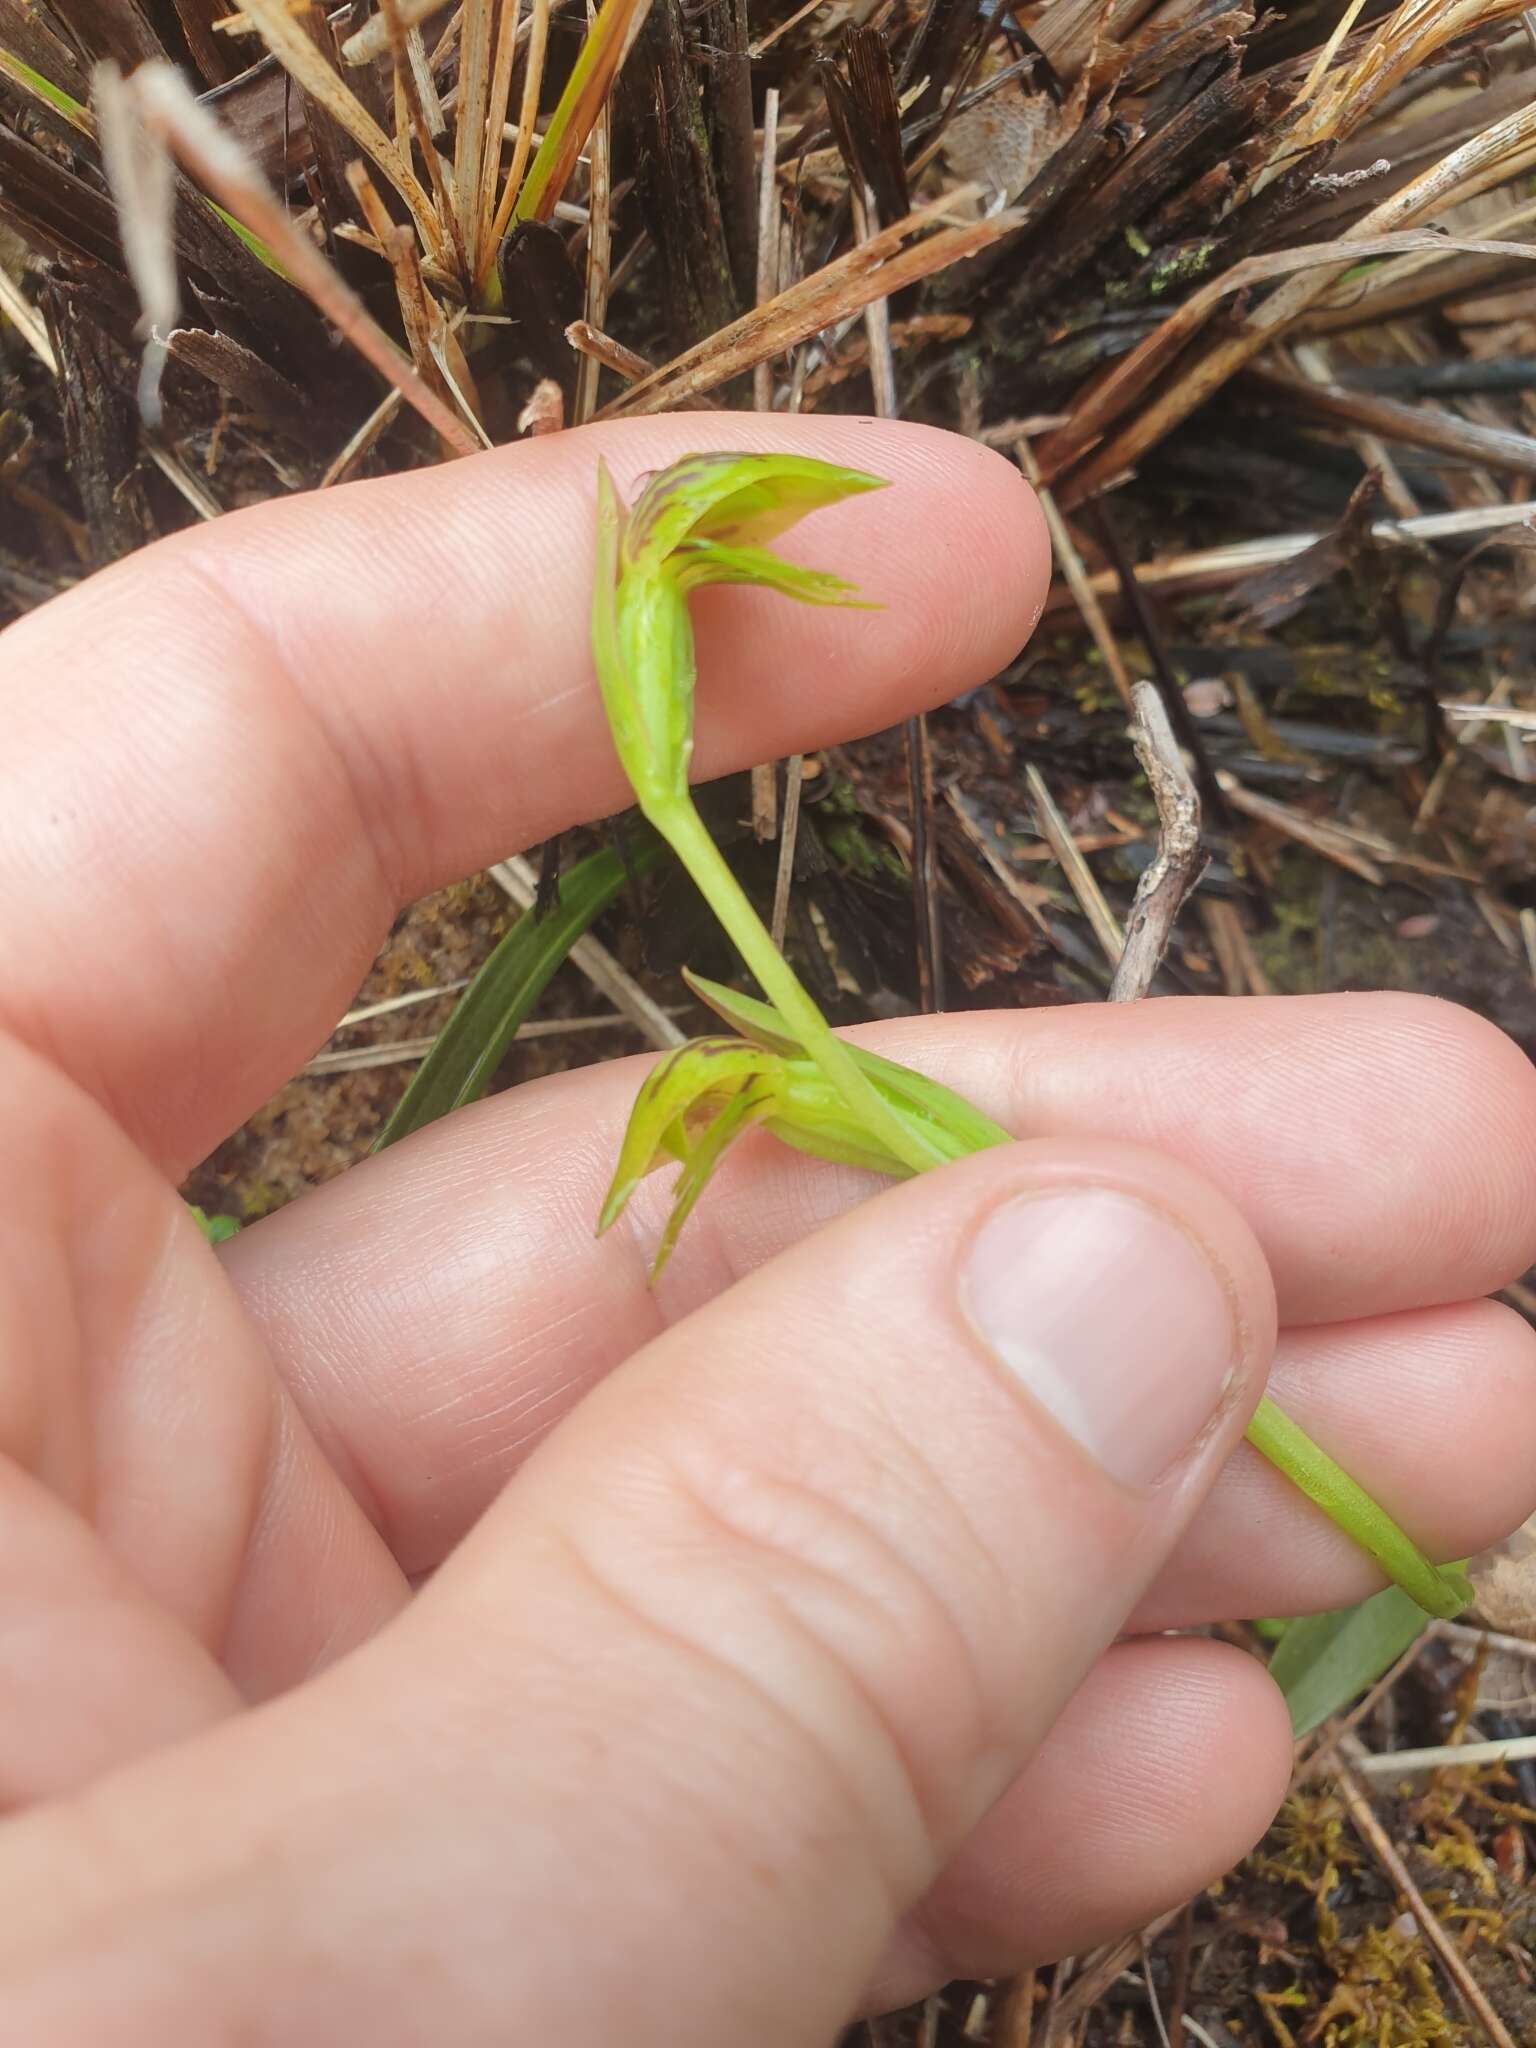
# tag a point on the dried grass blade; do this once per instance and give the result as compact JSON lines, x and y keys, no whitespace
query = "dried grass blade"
{"x":143,"y":188}
{"x":873,"y":270}
{"x":28,"y":321}
{"x":170,"y":107}
{"x":304,"y":61}
{"x":483,"y":246}
{"x":1114,"y":393}
{"x":599,"y":261}
{"x":522,"y":149}
{"x":1084,"y":883}
{"x":469,"y":137}
{"x":1500,"y":152}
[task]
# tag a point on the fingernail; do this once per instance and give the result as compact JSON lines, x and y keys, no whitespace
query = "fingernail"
{"x":1111,"y":1316}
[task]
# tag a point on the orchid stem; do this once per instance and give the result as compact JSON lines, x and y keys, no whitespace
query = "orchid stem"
{"x":1310,"y":1469}
{"x":681,"y":826}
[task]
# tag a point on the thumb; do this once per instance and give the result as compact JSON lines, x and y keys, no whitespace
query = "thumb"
{"x":707,"y":1699}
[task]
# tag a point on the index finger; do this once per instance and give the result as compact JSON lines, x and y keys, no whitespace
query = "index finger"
{"x":234,"y":757}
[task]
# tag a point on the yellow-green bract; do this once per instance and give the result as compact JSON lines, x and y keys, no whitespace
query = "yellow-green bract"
{"x":702,"y":521}
{"x":705,"y":521}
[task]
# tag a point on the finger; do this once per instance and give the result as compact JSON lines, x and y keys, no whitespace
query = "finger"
{"x":281,"y":726}
{"x":438,"y":1311}
{"x":1162,"y":1774}
{"x":732,"y":1670}
{"x":96,"y":1671}
{"x":1433,"y":1412}
{"x":165,"y":1509}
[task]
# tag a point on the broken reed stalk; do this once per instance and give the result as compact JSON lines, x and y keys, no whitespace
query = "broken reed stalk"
{"x":470,"y":147}
{"x":1411,"y":426}
{"x":172,"y":112}
{"x":613,"y":355}
{"x":1117,"y":392}
{"x":874,"y":270}
{"x":402,"y":252}
{"x":1177,"y":863}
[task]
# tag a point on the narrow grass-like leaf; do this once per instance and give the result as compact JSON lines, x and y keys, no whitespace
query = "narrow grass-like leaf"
{"x":253,"y":242}
{"x":51,"y":95}
{"x":487,"y":1017}
{"x":597,"y":64}
{"x":1326,"y":1660}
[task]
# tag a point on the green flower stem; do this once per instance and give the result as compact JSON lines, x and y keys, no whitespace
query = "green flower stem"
{"x":681,"y":826}
{"x":706,"y":520}
{"x":1314,"y":1473}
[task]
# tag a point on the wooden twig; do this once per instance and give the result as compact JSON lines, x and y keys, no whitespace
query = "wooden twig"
{"x":1096,"y":1976}
{"x":1449,"y":1756}
{"x":1176,"y":866}
{"x":359,"y":1059}
{"x":1386,"y":1853}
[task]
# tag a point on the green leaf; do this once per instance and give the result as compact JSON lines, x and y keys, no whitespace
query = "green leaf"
{"x":1439,"y":1590}
{"x":254,"y":243}
{"x":12,"y":67}
{"x":953,"y":1125}
{"x":217,"y":1229}
{"x":487,"y":1017}
{"x":1326,"y":1660}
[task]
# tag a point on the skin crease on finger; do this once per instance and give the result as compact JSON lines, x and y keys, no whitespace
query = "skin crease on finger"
{"x":430,"y":1406}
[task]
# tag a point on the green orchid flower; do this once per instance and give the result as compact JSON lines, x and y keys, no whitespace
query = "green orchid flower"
{"x":703,"y":521}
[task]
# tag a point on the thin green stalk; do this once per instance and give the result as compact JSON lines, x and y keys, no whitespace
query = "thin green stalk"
{"x":1309,"y":1468}
{"x":684,"y":830}
{"x":705,"y":521}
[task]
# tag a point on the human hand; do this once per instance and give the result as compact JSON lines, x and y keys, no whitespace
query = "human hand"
{"x":784,"y":1673}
